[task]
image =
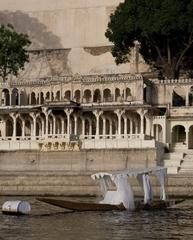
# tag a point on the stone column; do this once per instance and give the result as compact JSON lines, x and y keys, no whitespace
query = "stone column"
{"x":54,"y":125}
{"x":68,"y":112}
{"x":187,"y":99}
{"x":104,"y":127}
{"x":83,"y":127}
{"x":34,"y":115}
{"x":10,"y":98}
{"x":142,"y":113}
{"x":43,"y":126}
{"x":23,"y":127}
{"x":187,"y":138}
{"x":90,"y":127}
{"x":97,"y":114}
{"x":75,"y":124}
{"x":148,"y":125}
{"x":62,"y":123}
{"x":110,"y":128}
{"x":157,"y":132}
{"x":119,"y":113}
{"x":47,"y":113}
{"x":14,"y":117}
{"x":125,"y":126}
{"x":1,"y":97}
{"x":131,"y":126}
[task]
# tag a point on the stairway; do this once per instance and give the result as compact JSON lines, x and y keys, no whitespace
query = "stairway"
{"x":187,"y":163}
{"x":173,"y":161}
{"x":179,"y":162}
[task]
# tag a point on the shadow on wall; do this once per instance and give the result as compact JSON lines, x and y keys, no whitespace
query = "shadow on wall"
{"x":38,"y":33}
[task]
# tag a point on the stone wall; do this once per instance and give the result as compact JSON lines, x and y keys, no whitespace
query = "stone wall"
{"x":83,"y":161}
{"x":73,"y":29}
{"x":64,"y":173}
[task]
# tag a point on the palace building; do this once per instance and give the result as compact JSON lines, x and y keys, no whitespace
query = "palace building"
{"x":72,"y":96}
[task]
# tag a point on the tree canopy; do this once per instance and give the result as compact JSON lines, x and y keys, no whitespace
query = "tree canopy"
{"x":13,"y":52}
{"x":164,"y":29}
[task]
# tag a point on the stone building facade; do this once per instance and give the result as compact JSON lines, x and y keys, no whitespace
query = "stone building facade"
{"x":96,"y":111}
{"x":72,"y":96}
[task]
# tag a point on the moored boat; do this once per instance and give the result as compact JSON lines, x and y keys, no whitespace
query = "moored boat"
{"x":122,"y":198}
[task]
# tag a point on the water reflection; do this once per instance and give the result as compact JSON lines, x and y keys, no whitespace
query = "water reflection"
{"x":48,"y":223}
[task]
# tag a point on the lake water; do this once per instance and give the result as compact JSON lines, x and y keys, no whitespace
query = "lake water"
{"x":51,"y":223}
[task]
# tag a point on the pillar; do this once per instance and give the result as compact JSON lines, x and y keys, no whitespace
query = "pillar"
{"x":19,"y":98}
{"x":187,"y":139}
{"x":68,"y":112}
{"x":75,"y":124}
{"x":119,"y":113}
{"x":62,"y":123}
{"x":43,"y":126}
{"x":90,"y":127}
{"x":97,"y":114}
{"x":34,"y":115}
{"x":131,"y":125}
{"x":54,"y":125}
{"x":104,"y":127}
{"x":125,"y":126}
{"x":10,"y":99}
{"x":23,"y":128}
{"x":83,"y":127}
{"x":187,"y":99}
{"x":142,"y":113}
{"x":14,"y":126}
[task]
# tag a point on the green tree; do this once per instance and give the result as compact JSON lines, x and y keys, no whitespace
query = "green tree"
{"x":164,"y":29}
{"x":13,"y":53}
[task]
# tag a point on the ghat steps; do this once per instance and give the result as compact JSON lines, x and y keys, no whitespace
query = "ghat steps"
{"x":179,"y":162}
{"x":78,"y":184}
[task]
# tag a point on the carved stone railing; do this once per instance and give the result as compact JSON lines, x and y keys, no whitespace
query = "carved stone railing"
{"x":173,"y":81}
{"x":85,"y":79}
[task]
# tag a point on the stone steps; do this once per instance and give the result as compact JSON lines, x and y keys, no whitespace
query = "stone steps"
{"x":173,"y":161}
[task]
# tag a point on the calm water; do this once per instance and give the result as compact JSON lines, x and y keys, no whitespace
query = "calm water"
{"x":51,"y":223}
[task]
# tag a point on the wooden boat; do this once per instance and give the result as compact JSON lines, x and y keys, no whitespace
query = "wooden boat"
{"x":82,"y":206}
{"x":122,"y":198}
{"x":85,"y":206}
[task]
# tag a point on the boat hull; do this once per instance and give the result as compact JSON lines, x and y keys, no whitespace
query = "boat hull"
{"x":84,"y":206}
{"x":81,"y":206}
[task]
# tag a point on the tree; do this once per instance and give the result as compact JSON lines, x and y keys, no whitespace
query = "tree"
{"x":164,"y":29}
{"x":13,"y":53}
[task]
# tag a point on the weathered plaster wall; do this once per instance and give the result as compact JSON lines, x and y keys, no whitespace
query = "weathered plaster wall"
{"x":86,"y":160}
{"x":78,"y":26}
{"x":32,"y":173}
{"x":64,"y":173}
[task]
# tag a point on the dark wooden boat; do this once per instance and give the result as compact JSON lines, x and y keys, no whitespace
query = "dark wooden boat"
{"x":84,"y":206}
{"x":81,"y":206}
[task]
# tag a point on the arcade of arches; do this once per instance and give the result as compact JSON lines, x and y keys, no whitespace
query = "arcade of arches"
{"x":83,"y":108}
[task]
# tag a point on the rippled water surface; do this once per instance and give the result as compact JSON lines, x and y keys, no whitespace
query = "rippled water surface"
{"x":51,"y":223}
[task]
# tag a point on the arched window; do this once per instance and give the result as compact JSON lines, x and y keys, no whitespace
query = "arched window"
{"x":58,"y":96}
{"x":41,"y":98}
{"x":117,"y":95}
{"x":178,"y":136}
{"x":97,"y":96}
{"x":47,"y":96}
{"x":5,"y":97}
{"x":33,"y":98}
{"x":67,"y":95}
{"x":191,"y":96}
{"x":107,"y":95}
{"x":77,"y":96}
{"x":128,"y":94}
{"x":87,"y":96}
{"x":14,"y":97}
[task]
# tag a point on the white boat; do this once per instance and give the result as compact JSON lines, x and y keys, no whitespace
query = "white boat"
{"x":121,"y":197}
